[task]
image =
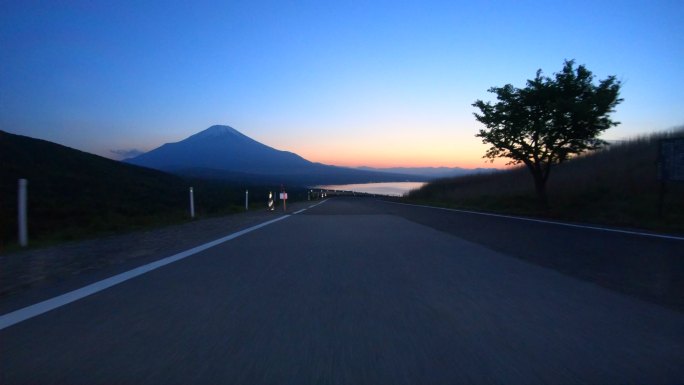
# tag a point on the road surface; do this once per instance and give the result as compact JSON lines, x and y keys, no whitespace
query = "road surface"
{"x":358,"y":291}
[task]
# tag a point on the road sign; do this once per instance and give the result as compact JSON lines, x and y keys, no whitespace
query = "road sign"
{"x":671,"y":160}
{"x":283,"y":197}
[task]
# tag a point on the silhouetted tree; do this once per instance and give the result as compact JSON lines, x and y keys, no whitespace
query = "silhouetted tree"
{"x":548,"y":121}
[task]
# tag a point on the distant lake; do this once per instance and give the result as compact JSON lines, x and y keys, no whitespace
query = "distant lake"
{"x":386,"y":188}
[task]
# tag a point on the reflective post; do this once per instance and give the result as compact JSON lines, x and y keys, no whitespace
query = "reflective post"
{"x":192,"y":204}
{"x":21,"y":202}
{"x":246,"y":200}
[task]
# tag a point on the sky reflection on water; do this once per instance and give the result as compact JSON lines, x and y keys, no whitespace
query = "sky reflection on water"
{"x":385,"y":188}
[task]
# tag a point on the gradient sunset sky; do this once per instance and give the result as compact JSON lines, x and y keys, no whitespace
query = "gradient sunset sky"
{"x":376,"y":83}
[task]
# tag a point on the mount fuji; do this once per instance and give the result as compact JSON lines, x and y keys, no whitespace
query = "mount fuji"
{"x":222,"y":152}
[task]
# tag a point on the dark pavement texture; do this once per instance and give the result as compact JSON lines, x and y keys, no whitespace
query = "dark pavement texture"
{"x":649,"y":268}
{"x":356,"y":291}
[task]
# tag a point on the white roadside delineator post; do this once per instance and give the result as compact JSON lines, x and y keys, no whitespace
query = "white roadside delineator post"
{"x":192,"y":204}
{"x":246,"y":200}
{"x":21,"y":218}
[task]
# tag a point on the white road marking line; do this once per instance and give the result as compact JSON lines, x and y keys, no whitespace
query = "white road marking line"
{"x":319,"y":203}
{"x":300,"y":211}
{"x":37,"y":309}
{"x":663,"y":236}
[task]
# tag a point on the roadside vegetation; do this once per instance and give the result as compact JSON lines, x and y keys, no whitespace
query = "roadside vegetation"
{"x":550,"y":129}
{"x":617,"y":185}
{"x":75,"y":195}
{"x":549,"y":121}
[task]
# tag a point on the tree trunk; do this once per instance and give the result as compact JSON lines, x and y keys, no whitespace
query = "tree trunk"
{"x":539,"y":183}
{"x":540,"y":188}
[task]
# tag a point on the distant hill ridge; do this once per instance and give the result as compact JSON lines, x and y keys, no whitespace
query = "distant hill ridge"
{"x":71,"y":192}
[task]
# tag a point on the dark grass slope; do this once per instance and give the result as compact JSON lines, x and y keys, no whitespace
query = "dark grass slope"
{"x":73,"y":194}
{"x":616,"y":186}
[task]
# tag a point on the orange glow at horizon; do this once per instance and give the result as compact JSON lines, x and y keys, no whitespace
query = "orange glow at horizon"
{"x":386,"y":162}
{"x":398,"y":152}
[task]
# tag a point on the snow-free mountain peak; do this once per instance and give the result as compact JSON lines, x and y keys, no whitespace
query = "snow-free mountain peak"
{"x":218,"y":131}
{"x":221,"y":148}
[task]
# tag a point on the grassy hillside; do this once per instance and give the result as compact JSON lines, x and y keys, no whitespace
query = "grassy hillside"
{"x":615,"y":186}
{"x":73,"y":194}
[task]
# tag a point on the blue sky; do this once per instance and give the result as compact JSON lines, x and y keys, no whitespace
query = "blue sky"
{"x":349,"y":83}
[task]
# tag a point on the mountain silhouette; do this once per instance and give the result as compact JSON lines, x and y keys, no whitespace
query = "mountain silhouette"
{"x":222,"y":152}
{"x":221,"y":148}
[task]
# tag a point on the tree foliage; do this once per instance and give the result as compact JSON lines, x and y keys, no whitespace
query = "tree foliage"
{"x":548,"y":121}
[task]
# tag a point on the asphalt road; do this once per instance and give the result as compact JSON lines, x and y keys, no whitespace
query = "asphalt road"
{"x":357,"y":291}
